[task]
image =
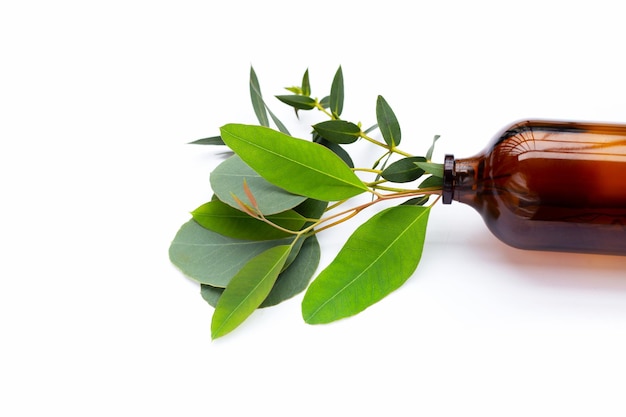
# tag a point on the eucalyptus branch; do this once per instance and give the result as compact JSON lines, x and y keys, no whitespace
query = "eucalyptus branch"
{"x":264,"y":251}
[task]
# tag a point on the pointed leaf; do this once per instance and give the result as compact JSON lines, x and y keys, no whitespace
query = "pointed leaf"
{"x":337,"y":149}
{"x":431,"y":168}
{"x":214,"y":140}
{"x":298,"y":102}
{"x":432,"y":182}
{"x":404,"y":170}
{"x":306,"y":85}
{"x":260,"y":107}
{"x":387,"y":122}
{"x":338,"y":131}
{"x":325,"y":102}
{"x":227,"y":179}
{"x":257,"y":99}
{"x":228,"y":221}
{"x":298,"y":166}
{"x":337,"y":93}
{"x":247,"y":290}
{"x":211,"y":258}
{"x":376,"y":260}
{"x":429,"y":153}
{"x":290,"y":282}
{"x":417,"y":201}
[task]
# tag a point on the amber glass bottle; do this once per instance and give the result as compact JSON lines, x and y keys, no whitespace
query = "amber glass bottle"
{"x":548,"y":185}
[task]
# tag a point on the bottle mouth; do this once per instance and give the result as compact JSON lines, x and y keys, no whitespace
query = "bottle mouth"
{"x":448,"y":179}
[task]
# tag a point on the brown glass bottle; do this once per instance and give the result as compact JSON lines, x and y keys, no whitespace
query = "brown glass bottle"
{"x":548,"y":185}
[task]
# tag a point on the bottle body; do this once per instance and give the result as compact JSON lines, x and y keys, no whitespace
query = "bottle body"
{"x":548,"y":185}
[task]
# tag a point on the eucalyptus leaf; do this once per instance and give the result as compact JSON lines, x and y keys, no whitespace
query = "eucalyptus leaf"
{"x":388,"y":123}
{"x":377,"y":259}
{"x":229,"y":221}
{"x":311,"y":209}
{"x":337,"y":149}
{"x":257,"y":99}
{"x":211,"y":258}
{"x":260,"y":107}
{"x":417,"y":201}
{"x":306,"y":84}
{"x":297,"y":101}
{"x":228,"y":178}
{"x":429,"y":153}
{"x":214,"y":140}
{"x":431,"y":168}
{"x":432,"y":182}
{"x":404,"y":170}
{"x":338,"y":131}
{"x":247,"y":290}
{"x":290,"y":282}
{"x":337,"y":93}
{"x":298,"y":166}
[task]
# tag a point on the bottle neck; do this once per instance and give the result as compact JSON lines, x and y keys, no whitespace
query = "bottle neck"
{"x":461,"y":178}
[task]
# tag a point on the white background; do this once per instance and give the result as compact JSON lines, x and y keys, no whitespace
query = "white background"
{"x":97,"y":102}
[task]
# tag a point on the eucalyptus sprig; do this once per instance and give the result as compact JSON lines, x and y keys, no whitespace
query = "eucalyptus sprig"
{"x":254,"y":243}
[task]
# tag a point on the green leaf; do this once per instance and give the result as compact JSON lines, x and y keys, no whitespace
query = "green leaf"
{"x":431,"y":168}
{"x":432,"y":182}
{"x":260,"y":107}
{"x":228,"y":221}
{"x":247,"y":290}
{"x":337,"y":149}
{"x":312,"y":209}
{"x":429,"y":153}
{"x":376,"y":260}
{"x":290,"y":282}
{"x":325,"y":102}
{"x":211,"y":258}
{"x":336,"y":93}
{"x":387,"y":122}
{"x":257,"y":99}
{"x":297,"y":101}
{"x":417,"y":201}
{"x":214,"y":140}
{"x":298,"y":166}
{"x":306,"y":85}
{"x":404,"y":170}
{"x":228,"y":178}
{"x":338,"y":131}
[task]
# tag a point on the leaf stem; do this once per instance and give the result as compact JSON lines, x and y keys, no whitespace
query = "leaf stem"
{"x":384,"y":145}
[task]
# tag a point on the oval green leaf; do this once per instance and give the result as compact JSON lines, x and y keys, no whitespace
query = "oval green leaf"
{"x":297,"y":101}
{"x":228,"y":221}
{"x":338,"y":131}
{"x":290,"y":282}
{"x":228,"y":179}
{"x":211,"y":258}
{"x":247,"y":290}
{"x":432,"y":182}
{"x":377,"y":259}
{"x":387,"y":122}
{"x":298,"y":166}
{"x":404,"y":170}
